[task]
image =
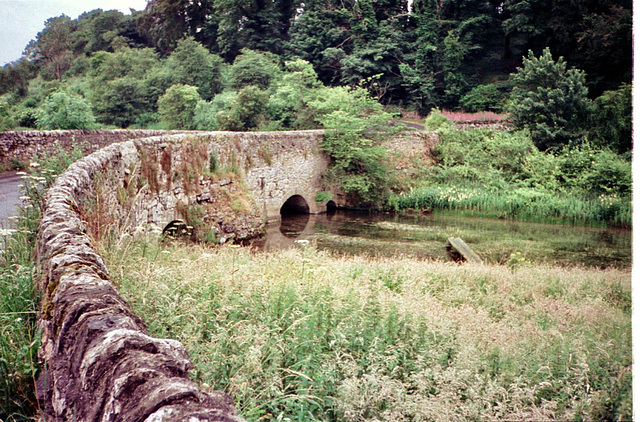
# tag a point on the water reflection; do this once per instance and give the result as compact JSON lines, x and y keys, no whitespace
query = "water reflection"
{"x":424,"y":237}
{"x":293,"y":226}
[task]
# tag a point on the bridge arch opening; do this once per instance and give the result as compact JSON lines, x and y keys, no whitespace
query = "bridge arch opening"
{"x":332,"y":207}
{"x":295,"y":205}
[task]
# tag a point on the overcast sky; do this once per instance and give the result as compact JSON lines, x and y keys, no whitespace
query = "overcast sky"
{"x":21,"y":20}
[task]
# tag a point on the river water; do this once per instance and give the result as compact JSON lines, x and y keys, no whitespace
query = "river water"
{"x":424,"y":237}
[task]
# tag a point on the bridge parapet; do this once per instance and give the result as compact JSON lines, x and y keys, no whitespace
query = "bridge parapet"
{"x":99,"y":361}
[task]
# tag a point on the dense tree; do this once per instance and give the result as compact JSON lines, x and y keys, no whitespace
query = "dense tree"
{"x":167,"y":21}
{"x":594,"y":35}
{"x":611,"y":125}
{"x":550,"y":100}
{"x":121,"y":94}
{"x":253,"y":68}
{"x":416,"y":54}
{"x":253,"y":24}
{"x":192,"y":64}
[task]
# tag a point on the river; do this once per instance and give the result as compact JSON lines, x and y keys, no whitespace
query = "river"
{"x":424,"y":236}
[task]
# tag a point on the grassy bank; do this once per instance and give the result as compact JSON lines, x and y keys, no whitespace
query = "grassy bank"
{"x":19,"y":300}
{"x":502,"y":174}
{"x":303,"y":335}
{"x":517,"y":203}
{"x":19,"y":296}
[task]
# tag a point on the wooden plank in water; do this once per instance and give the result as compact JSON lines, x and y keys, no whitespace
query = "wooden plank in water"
{"x":460,"y":251}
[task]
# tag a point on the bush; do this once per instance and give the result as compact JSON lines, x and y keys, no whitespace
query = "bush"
{"x":65,"y":111}
{"x":351,"y":139}
{"x":611,"y":121}
{"x":484,"y":98}
{"x":595,"y":172}
{"x":436,"y":121}
{"x":177,"y":106}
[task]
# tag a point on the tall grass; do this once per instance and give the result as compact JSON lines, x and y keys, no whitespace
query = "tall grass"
{"x":302,"y":335}
{"x":19,"y":297}
{"x":19,"y":300}
{"x":519,"y":204}
{"x":502,"y":174}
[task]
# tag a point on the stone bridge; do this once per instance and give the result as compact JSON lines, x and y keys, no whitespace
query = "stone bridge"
{"x":98,"y":361}
{"x":275,"y":167}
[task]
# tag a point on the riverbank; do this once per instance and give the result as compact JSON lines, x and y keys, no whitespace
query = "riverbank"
{"x":502,"y":174}
{"x":302,"y":334}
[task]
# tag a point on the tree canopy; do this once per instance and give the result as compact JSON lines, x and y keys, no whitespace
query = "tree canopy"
{"x":417,"y":55}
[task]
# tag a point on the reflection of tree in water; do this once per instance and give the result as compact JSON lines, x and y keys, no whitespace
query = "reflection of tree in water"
{"x":293,"y":225}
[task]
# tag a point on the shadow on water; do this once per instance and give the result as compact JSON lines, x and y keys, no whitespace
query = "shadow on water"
{"x":423,"y":237}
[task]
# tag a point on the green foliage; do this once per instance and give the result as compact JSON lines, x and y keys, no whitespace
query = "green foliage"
{"x":250,"y":106}
{"x":288,"y":106}
{"x":502,"y":174}
{"x":191,"y":64}
{"x":52,"y":47}
{"x":322,"y":196}
{"x":6,"y":120}
{"x":122,"y":92}
{"x":231,"y":110}
{"x":253,"y":68}
{"x":595,"y":172}
{"x":435,"y":121}
{"x":611,"y":120}
{"x":417,"y":55}
{"x":65,"y":111}
{"x":177,"y":106}
{"x":358,"y":165}
{"x":484,"y":98}
{"x":550,"y":101}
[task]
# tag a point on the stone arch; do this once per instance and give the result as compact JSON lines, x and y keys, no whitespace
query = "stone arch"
{"x":332,"y":206}
{"x":295,"y":204}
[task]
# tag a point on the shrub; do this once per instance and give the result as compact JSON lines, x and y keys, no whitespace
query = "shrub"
{"x":611,"y":121}
{"x":352,"y":140}
{"x":177,"y":106}
{"x":436,"y":121}
{"x":65,"y":111}
{"x":484,"y":98}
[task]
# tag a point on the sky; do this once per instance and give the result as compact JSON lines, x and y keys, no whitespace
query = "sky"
{"x":21,"y":20}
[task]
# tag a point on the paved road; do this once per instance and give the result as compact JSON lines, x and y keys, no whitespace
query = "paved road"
{"x":9,"y":197}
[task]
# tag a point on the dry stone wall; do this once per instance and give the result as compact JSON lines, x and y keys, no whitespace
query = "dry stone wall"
{"x":18,"y":148}
{"x":99,"y":363}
